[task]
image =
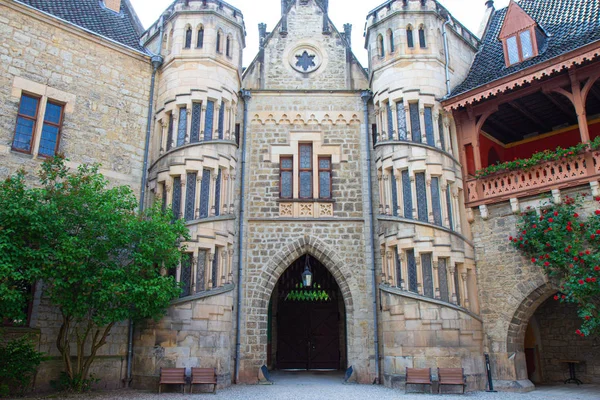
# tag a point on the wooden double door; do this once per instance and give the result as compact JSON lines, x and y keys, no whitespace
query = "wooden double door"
{"x":308,"y":335}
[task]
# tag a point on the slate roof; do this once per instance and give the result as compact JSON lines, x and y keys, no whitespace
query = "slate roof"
{"x":568,"y":24}
{"x":123,"y":27}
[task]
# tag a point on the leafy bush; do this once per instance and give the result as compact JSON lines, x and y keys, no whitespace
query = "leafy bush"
{"x":18,"y":364}
{"x":77,"y":384}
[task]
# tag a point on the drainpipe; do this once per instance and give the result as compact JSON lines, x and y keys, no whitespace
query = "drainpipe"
{"x":247,"y":96}
{"x":366,"y":96}
{"x":446,"y":55}
{"x":156,"y":61}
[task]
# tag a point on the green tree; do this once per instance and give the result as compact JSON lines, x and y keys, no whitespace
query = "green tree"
{"x":99,"y":259}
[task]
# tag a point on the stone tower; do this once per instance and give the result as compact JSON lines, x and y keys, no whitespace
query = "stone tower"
{"x":193,"y":168}
{"x":417,"y":51}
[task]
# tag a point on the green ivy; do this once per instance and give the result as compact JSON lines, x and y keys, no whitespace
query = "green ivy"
{"x":566,"y":245}
{"x":538,"y":158}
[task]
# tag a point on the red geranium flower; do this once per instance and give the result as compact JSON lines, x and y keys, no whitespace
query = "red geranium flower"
{"x":550,"y":220}
{"x":592,"y":236}
{"x":587,"y":252}
{"x":563,"y":297}
{"x":534,"y":226}
{"x":597,"y":212}
{"x":594,"y":279}
{"x":555,"y":297}
{"x":546,"y":264}
{"x":581,"y":282}
{"x":576,"y":215}
{"x":578,"y":332}
{"x":588,"y":279}
{"x":556,"y":213}
{"x":532,"y":259}
{"x":597,"y":268}
{"x":587,"y":317}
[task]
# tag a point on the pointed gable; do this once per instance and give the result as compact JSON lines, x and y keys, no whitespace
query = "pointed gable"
{"x":516,"y":20}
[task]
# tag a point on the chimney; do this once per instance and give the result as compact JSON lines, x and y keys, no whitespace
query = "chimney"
{"x":326,"y":29}
{"x":284,"y":24}
{"x":487,"y":17}
{"x":348,"y":34}
{"x":262,"y":34}
{"x":489,"y":3}
{"x":114,"y":5}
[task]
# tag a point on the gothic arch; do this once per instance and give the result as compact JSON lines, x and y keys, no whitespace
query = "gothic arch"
{"x":518,"y":325}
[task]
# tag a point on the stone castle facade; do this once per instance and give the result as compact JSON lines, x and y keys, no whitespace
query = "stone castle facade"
{"x":305,"y":159}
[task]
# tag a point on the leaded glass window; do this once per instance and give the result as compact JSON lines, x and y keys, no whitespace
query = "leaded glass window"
{"x":429,"y":126}
{"x":219,"y":42}
{"x":188,"y":38}
{"x":443,"y":279}
{"x":182,"y":127}
{"x":512,"y":50}
{"x":391,"y":38}
{"x":422,"y":211}
{"x":209,"y":119}
{"x":170,"y":133}
{"x":26,"y":118}
{"x":325,"y":177}
{"x":401,"y":119}
{"x":190,"y":196}
{"x":306,"y":181}
{"x":441,"y":131}
{"x":449,"y":206}
{"x":286,"y":177}
{"x":407,"y":195}
{"x":164,"y":197}
{"x":457,"y":285}
{"x":186,"y":274}
{"x":412,"y":270}
{"x":221,"y":119}
{"x":394,"y":194}
{"x":200,"y":271}
{"x":398,"y":267}
{"x":176,"y":197}
{"x":218,"y":193}
{"x":51,"y":129}
{"x":215,"y":268}
{"x":228,"y":47}
{"x":436,"y":201}
{"x":409,"y":37}
{"x":426,"y":267}
{"x":196,"y":115}
{"x":205,"y":193}
{"x":422,"y":43}
{"x":390,"y":121}
{"x":415,"y":122}
{"x":200,"y":40}
{"x":526,"y":44}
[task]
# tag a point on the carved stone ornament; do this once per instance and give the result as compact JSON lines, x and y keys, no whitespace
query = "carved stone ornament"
{"x":305,"y":58}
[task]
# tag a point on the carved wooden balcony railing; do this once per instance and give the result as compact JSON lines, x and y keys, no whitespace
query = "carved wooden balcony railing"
{"x":580,"y":169}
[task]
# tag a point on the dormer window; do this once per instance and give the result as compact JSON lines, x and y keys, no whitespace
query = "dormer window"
{"x":518,"y":35}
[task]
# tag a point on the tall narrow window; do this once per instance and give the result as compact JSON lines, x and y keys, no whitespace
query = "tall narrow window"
{"x":401,"y":120}
{"x":205,"y":193}
{"x":51,"y":129}
{"x":325,"y":177}
{"x":164,"y":197}
{"x":200,"y":39}
{"x":421,"y":197}
{"x":215,"y":268}
{"x":26,"y":120}
{"x":218,"y":194}
{"x":209,"y":120}
{"x":238,"y":130}
{"x":219,"y":41}
{"x":429,"y":126}
{"x":176,"y":197}
{"x":196,"y":115}
{"x":526,"y":44}
{"x":228,"y":47}
{"x":407,"y":195}
{"x":436,"y":201}
{"x":391,"y":40}
{"x":221,"y":119}
{"x":427,"y":274}
{"x":513,"y":50}
{"x":398,"y":267}
{"x":457,"y":285}
{"x":170,"y":133}
{"x":394,"y":194}
{"x":374,"y":133}
{"x":412,"y":270}
{"x":182,"y":126}
{"x":286,"y":177}
{"x":188,"y":38}
{"x":441,"y":131}
{"x":422,"y":43}
{"x":415,"y":122}
{"x":190,"y":196}
{"x":449,"y":206}
{"x":306,"y":178}
{"x":409,"y":37}
{"x":186,"y":274}
{"x":390,"y":121}
{"x":443,"y":279}
{"x":201,"y":271}
{"x":380,"y":46}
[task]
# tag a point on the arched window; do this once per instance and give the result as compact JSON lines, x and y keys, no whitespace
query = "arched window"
{"x":219,"y":41}
{"x":228,"y":46}
{"x":390,"y":35}
{"x":200,"y":39}
{"x":188,"y":38}
{"x":422,"y":43}
{"x":380,"y":48}
{"x":409,"y":37}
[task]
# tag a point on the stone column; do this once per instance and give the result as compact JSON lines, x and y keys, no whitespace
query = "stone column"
{"x":436,"y":280}
{"x":232,"y":191}
{"x":209,"y":269}
{"x":224,"y":266}
{"x":394,"y":120}
{"x":457,"y":212}
{"x":408,"y":123}
{"x":212,"y":196}
{"x":217,"y":109}
{"x":226,"y":130}
{"x":183,"y":196}
{"x":163,"y":136}
{"x":174,"y":136}
{"x":465,"y":289}
{"x":194,"y":272}
{"x":429,"y":200}
{"x":202,"y":120}
{"x":188,"y":129}
{"x":169,"y":189}
{"x":451,"y":269}
{"x":383,"y":266}
{"x":422,"y":122}
{"x":419,"y":273}
{"x":391,"y":269}
{"x":381,"y":195}
{"x":444,"y":202}
{"x":413,"y":187}
{"x":386,"y":194}
{"x":197,"y":195}
{"x":397,"y":177}
{"x":225,"y":184}
{"x":436,"y":131}
{"x":230,"y":272}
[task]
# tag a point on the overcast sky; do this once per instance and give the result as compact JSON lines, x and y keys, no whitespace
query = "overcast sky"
{"x":469,"y":12}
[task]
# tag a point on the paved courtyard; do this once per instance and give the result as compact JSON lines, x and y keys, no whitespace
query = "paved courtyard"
{"x":303,"y":386}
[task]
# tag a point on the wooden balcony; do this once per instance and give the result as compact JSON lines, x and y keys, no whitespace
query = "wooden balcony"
{"x":578,"y":170}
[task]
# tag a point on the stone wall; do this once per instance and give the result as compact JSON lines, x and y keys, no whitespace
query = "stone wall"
{"x":426,"y":333}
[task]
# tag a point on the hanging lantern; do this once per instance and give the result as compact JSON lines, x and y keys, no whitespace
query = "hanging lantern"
{"x":307,"y":276}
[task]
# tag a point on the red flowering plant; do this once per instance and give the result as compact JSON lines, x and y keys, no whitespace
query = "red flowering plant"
{"x":567,"y":246}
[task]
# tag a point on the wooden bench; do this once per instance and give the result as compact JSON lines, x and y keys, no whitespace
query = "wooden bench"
{"x":204,"y":376}
{"x":452,"y":376}
{"x":417,"y":376}
{"x":172,"y":376}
